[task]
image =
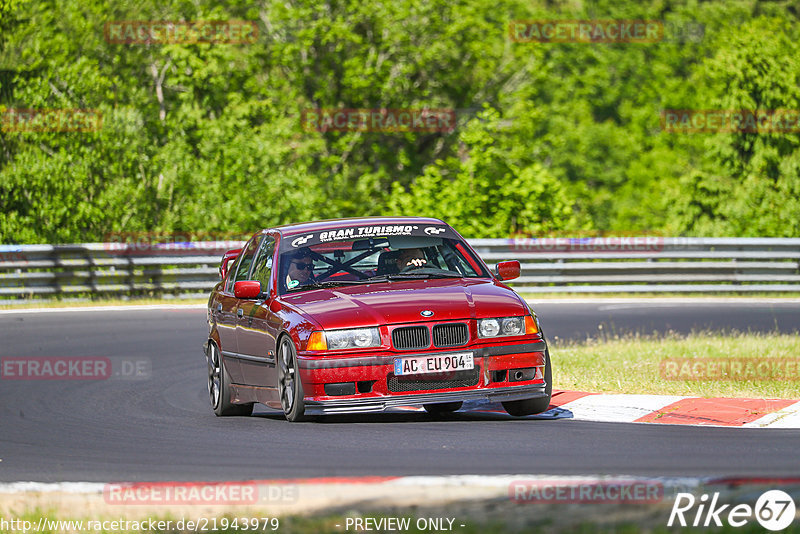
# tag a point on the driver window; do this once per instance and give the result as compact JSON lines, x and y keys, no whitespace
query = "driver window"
{"x":243,"y":263}
{"x":262,"y":268}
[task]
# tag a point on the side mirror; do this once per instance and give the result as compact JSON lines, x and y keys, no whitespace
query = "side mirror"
{"x":227,"y":258}
{"x":507,"y":270}
{"x":247,"y":289}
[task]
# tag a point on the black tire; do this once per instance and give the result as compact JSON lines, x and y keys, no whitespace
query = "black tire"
{"x":443,"y":408}
{"x":219,"y":386}
{"x":289,"y":384}
{"x":533,"y":406}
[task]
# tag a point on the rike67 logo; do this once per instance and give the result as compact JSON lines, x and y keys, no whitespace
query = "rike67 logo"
{"x":774,"y":510}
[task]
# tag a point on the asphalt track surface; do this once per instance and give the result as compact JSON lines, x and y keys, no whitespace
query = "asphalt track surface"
{"x":161,"y":427}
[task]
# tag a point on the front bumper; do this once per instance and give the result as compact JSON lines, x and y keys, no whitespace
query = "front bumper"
{"x":374,"y":372}
{"x":379,"y":404}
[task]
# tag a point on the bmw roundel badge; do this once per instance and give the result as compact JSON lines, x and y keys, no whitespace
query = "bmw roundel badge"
{"x":426,"y":313}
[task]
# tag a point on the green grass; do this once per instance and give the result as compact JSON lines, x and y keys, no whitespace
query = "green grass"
{"x":631,"y":364}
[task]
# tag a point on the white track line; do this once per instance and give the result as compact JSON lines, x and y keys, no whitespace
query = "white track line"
{"x":49,"y":487}
{"x":665,"y":300}
{"x":141,"y":307}
{"x":611,"y":301}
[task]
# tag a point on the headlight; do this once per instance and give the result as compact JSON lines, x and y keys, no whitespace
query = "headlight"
{"x":512,"y":326}
{"x":488,"y":327}
{"x":356,"y":338}
{"x":503,"y":326}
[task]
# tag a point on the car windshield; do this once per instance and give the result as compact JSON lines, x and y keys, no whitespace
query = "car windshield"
{"x":376,"y":259}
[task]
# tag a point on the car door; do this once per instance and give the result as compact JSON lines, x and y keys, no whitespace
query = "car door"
{"x":256,"y":328}
{"x":228,"y":308}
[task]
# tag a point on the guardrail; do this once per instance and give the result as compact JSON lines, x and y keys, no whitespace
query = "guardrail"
{"x":575,"y":265}
{"x":650,"y":264}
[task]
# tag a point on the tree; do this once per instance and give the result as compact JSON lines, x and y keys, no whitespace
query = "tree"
{"x":486,"y":192}
{"x":748,"y":183}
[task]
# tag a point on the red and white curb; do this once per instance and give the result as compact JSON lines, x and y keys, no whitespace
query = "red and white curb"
{"x":677,"y":410}
{"x":662,"y":409}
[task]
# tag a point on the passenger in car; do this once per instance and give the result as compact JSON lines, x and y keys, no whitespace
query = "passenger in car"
{"x":300,"y":271}
{"x":411,"y":258}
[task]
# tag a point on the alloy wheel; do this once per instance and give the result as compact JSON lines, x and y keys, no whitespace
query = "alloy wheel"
{"x":287,"y":376}
{"x":213,"y":375}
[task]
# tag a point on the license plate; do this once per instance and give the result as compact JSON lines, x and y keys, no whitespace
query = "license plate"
{"x":439,"y":363}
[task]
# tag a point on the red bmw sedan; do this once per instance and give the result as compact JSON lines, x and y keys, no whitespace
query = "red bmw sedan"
{"x":361,"y":315}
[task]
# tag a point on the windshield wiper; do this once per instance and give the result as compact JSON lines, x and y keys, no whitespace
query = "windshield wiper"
{"x":411,"y":276}
{"x":440,"y":275}
{"x":373,"y":279}
{"x":326,"y":284}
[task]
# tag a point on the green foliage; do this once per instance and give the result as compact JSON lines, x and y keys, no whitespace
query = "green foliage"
{"x":748,"y":183}
{"x":487,"y":191}
{"x":550,"y":137}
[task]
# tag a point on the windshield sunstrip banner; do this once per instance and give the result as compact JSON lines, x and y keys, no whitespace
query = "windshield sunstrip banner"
{"x":349,"y":233}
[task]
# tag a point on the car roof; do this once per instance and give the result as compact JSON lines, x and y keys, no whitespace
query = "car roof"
{"x":329,"y":224}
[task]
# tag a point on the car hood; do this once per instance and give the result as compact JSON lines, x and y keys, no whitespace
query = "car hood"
{"x":402,"y":301}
